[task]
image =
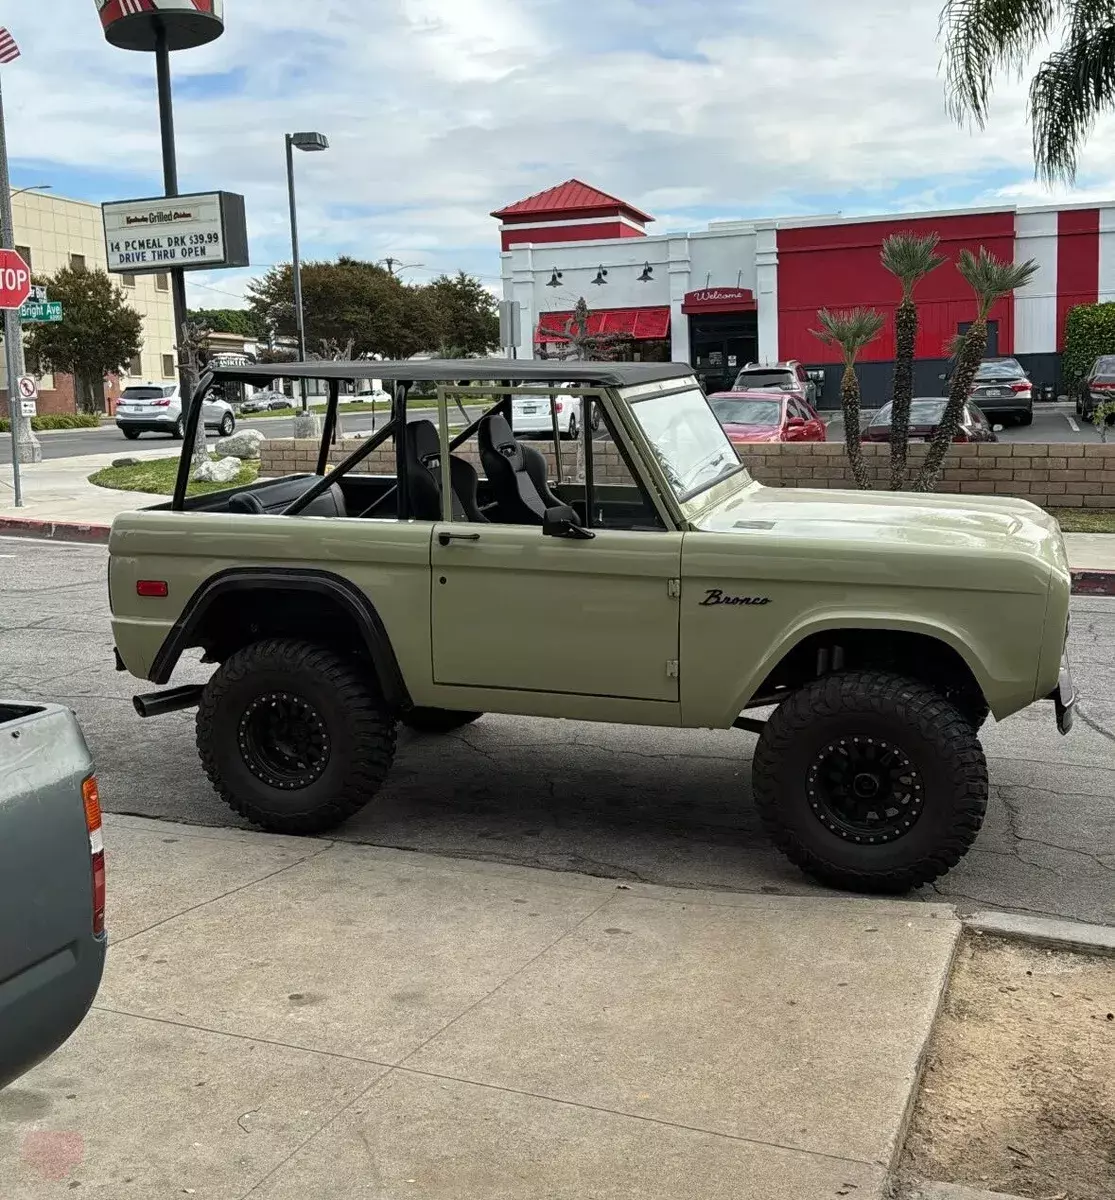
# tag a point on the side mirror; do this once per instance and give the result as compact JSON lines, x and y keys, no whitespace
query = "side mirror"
{"x":796,"y":423}
{"x":561,"y":522}
{"x":943,"y":377}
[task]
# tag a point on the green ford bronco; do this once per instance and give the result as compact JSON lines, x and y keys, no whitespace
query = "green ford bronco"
{"x":635,"y":575}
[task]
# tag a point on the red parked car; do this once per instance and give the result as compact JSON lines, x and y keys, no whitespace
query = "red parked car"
{"x":762,"y":416}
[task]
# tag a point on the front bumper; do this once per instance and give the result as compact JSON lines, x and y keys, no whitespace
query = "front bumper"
{"x":1064,"y":698}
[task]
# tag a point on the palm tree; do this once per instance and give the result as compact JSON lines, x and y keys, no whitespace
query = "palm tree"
{"x":851,"y":330}
{"x":909,"y":258}
{"x":991,"y":279}
{"x":1072,"y":86}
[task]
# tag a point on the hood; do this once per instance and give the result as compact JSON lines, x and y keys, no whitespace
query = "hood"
{"x":975,"y":535}
{"x":753,"y":433}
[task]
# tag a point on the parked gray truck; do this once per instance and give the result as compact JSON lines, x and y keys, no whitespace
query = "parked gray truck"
{"x":52,"y":883}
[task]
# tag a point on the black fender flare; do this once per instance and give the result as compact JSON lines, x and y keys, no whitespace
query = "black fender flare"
{"x":306,"y":579}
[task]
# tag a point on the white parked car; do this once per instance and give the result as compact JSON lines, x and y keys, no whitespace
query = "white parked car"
{"x":531,"y":415}
{"x":157,"y":408}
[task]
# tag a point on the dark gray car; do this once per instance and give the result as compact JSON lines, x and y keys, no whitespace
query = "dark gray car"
{"x":1003,"y":391}
{"x":52,"y":883}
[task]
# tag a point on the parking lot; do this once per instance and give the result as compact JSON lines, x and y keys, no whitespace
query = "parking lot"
{"x":622,"y":802}
{"x":1052,"y":423}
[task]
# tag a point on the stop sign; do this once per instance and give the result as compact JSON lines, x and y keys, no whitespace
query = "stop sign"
{"x":15,"y":279}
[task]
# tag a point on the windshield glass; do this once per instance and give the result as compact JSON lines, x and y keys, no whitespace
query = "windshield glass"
{"x":764,"y":380}
{"x":1000,"y":368}
{"x":733,"y":411}
{"x":688,"y":441}
{"x":145,"y":393}
{"x":922,"y":412}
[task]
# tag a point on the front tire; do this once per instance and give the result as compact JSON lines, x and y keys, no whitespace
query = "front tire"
{"x":293,"y":737}
{"x":870,"y":782}
{"x":437,"y":720}
{"x":574,"y":428}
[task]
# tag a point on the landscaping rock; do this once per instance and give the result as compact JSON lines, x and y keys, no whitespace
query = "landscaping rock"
{"x":224,"y":470}
{"x":126,"y":462}
{"x":245,"y":443}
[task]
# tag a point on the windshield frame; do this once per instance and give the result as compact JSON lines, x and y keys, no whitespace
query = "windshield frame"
{"x":631,"y":397}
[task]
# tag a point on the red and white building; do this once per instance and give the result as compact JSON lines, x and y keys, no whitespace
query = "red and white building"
{"x":750,"y":290}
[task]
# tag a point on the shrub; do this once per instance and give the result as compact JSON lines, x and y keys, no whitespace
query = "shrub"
{"x":1089,"y":332}
{"x":57,"y":421}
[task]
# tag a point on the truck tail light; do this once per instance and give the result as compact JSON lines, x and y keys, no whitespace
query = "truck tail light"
{"x":152,"y":588}
{"x":92,"y":800}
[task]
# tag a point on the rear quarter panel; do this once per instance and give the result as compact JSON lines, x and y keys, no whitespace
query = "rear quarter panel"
{"x":50,"y":960}
{"x":388,"y":561}
{"x":811,"y":585}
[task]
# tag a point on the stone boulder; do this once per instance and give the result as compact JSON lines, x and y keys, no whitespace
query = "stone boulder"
{"x":242,"y":444}
{"x":224,"y":470}
{"x":126,"y":462}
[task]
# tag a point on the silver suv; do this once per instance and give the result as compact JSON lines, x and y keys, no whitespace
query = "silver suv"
{"x":157,"y":408}
{"x":789,"y":377}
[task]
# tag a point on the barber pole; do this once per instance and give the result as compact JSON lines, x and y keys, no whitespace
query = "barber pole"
{"x":133,"y":24}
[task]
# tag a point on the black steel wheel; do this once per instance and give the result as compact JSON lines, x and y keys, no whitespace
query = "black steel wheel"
{"x":294,"y":737}
{"x":437,"y":720}
{"x":871,"y":782}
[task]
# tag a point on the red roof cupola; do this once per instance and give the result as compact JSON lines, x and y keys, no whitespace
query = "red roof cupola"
{"x":571,"y":212}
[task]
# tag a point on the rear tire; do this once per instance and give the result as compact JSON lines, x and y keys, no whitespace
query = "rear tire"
{"x":870,"y":782}
{"x":574,"y":428}
{"x":179,"y":431}
{"x":437,"y":720}
{"x":1026,"y":418}
{"x":293,"y":737}
{"x":228,"y":425}
{"x":131,"y":434}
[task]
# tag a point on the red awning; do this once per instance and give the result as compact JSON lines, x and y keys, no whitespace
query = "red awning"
{"x":639,"y":324}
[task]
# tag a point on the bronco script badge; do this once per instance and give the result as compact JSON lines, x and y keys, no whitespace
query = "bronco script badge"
{"x":716,"y":596}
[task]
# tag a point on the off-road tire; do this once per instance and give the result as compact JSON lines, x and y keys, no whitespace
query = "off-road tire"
{"x":360,"y":729}
{"x":437,"y":720}
{"x":936,"y":737}
{"x":130,"y":434}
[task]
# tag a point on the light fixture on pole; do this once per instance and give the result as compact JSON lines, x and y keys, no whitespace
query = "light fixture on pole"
{"x":648,"y":273}
{"x":310,"y":142}
{"x":38,"y":187}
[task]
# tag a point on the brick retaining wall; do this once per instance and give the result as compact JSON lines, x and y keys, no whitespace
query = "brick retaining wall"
{"x":1054,"y":475}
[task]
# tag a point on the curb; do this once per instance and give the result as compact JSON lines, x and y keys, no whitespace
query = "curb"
{"x":58,"y":531}
{"x":1048,"y":931}
{"x":1093,"y":583}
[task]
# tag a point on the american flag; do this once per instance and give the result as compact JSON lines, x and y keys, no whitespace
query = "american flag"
{"x":9,"y":51}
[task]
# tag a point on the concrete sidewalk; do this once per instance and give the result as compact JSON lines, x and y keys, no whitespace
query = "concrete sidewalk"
{"x":294,"y":1018}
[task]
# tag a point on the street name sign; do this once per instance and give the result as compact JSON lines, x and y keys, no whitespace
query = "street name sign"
{"x":185,"y":233}
{"x":43,"y":312}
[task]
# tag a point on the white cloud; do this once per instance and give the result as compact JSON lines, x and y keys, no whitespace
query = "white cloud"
{"x":442,"y":110}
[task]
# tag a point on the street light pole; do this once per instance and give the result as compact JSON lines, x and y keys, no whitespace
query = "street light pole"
{"x":26,"y":448}
{"x":308,"y":142}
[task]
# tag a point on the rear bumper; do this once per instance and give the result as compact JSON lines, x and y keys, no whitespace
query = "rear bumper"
{"x":147,"y":424}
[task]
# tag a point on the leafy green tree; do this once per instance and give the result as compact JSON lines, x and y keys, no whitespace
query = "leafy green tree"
{"x":467,"y":315}
{"x":348,"y":300}
{"x":851,"y":330}
{"x":1071,"y":87}
{"x":240,"y":321}
{"x":1089,"y":334}
{"x":991,"y":279}
{"x":99,"y":334}
{"x":909,"y":258}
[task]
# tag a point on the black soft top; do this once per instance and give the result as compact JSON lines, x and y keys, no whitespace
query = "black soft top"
{"x":462,"y":370}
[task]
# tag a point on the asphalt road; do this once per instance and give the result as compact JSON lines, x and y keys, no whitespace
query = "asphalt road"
{"x":664,"y":806}
{"x":1059,"y":424}
{"x":70,"y":443}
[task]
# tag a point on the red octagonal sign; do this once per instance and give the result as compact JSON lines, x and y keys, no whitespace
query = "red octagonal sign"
{"x":15,"y":280}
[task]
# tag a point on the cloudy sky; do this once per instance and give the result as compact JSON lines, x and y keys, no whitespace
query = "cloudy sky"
{"x":442,"y":110}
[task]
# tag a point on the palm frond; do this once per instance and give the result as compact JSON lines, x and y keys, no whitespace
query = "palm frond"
{"x":1072,"y":87}
{"x":850,"y":329}
{"x":982,"y":36}
{"x":991,"y":277}
{"x":910,"y":257}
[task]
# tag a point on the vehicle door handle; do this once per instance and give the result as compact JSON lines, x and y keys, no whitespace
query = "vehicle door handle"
{"x":446,"y":538}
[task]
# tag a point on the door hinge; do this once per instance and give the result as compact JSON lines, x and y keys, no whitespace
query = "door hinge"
{"x":673,"y":668}
{"x":673,"y":588}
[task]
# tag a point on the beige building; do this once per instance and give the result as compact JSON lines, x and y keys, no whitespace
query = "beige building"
{"x":52,"y":232}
